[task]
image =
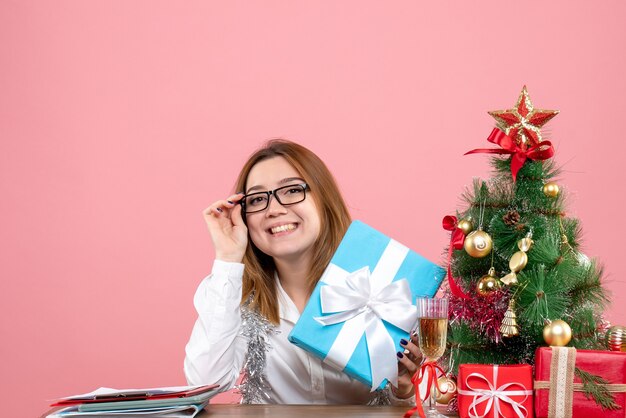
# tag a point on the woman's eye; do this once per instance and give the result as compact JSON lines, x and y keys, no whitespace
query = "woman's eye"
{"x":257,"y":200}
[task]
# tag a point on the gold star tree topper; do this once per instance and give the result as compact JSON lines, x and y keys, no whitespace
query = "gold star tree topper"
{"x":523,"y":123}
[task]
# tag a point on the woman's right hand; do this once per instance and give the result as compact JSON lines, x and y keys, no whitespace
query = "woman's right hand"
{"x":228,"y":231}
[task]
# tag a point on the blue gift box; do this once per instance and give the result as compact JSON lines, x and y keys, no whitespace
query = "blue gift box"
{"x":366,"y":296}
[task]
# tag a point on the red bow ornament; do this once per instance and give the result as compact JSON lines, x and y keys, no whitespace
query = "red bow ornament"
{"x":456,"y":243}
{"x":542,"y":151}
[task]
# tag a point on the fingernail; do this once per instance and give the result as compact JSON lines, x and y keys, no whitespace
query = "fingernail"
{"x":399,"y":354}
{"x":218,"y":209}
{"x":230,"y":202}
{"x":403,"y":341}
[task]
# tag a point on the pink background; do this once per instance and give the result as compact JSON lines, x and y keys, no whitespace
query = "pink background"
{"x":121,"y":120}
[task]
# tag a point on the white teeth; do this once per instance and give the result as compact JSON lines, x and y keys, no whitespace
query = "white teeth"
{"x":283,"y":228}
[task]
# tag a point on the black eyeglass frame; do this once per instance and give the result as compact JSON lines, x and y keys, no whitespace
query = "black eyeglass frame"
{"x":270,"y":193}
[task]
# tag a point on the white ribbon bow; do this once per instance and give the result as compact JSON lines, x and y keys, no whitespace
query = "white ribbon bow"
{"x":493,"y":396}
{"x":362,"y":301}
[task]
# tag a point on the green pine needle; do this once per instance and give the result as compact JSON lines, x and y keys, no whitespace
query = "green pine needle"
{"x":594,"y":387}
{"x":573,"y":232}
{"x":506,"y":235}
{"x":541,"y":296}
{"x":545,"y":250}
{"x":468,"y":346}
{"x":587,"y":286}
{"x":544,"y":170}
{"x":583,"y":320}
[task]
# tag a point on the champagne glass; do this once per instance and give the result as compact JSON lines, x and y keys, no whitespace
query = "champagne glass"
{"x":432,"y":330}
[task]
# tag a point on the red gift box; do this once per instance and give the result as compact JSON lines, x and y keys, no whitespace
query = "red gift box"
{"x":493,"y":391}
{"x":556,"y":364}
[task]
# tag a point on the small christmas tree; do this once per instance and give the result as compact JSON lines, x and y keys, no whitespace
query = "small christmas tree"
{"x":517,"y":279}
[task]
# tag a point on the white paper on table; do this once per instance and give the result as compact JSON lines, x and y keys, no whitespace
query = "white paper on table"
{"x":110,"y":391}
{"x":183,"y":411}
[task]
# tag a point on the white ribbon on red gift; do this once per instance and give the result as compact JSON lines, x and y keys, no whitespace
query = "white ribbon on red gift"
{"x":362,"y":300}
{"x":494,"y":395}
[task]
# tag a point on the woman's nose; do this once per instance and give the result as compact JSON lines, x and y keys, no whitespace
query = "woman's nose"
{"x":274,"y":207}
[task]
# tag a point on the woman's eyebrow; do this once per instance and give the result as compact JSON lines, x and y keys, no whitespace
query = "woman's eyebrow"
{"x":283,"y":181}
{"x":290,"y":179}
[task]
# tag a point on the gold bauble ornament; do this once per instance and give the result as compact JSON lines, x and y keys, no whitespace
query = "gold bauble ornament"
{"x":478,"y":243}
{"x":444,"y":383}
{"x":616,"y":338}
{"x":488,"y":283}
{"x":557,"y":333}
{"x":466,"y":225}
{"x":551,"y":189}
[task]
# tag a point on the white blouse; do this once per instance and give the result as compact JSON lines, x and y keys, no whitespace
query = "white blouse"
{"x":216,"y":349}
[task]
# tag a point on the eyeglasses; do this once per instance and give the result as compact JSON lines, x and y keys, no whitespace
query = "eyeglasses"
{"x":286,"y":195}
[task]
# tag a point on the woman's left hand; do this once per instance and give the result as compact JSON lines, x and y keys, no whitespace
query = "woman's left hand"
{"x":409,"y":362}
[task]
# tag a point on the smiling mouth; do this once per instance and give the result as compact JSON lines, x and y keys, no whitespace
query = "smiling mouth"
{"x":283,"y":228}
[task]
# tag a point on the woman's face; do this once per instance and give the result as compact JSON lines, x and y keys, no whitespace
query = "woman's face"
{"x":283,"y":232}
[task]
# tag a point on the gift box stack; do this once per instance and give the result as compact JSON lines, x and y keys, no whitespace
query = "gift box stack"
{"x":567,"y":383}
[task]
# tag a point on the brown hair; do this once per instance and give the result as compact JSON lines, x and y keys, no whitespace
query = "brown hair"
{"x":258,"y":275}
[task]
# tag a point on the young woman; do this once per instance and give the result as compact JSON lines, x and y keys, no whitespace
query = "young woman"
{"x":272,"y":243}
